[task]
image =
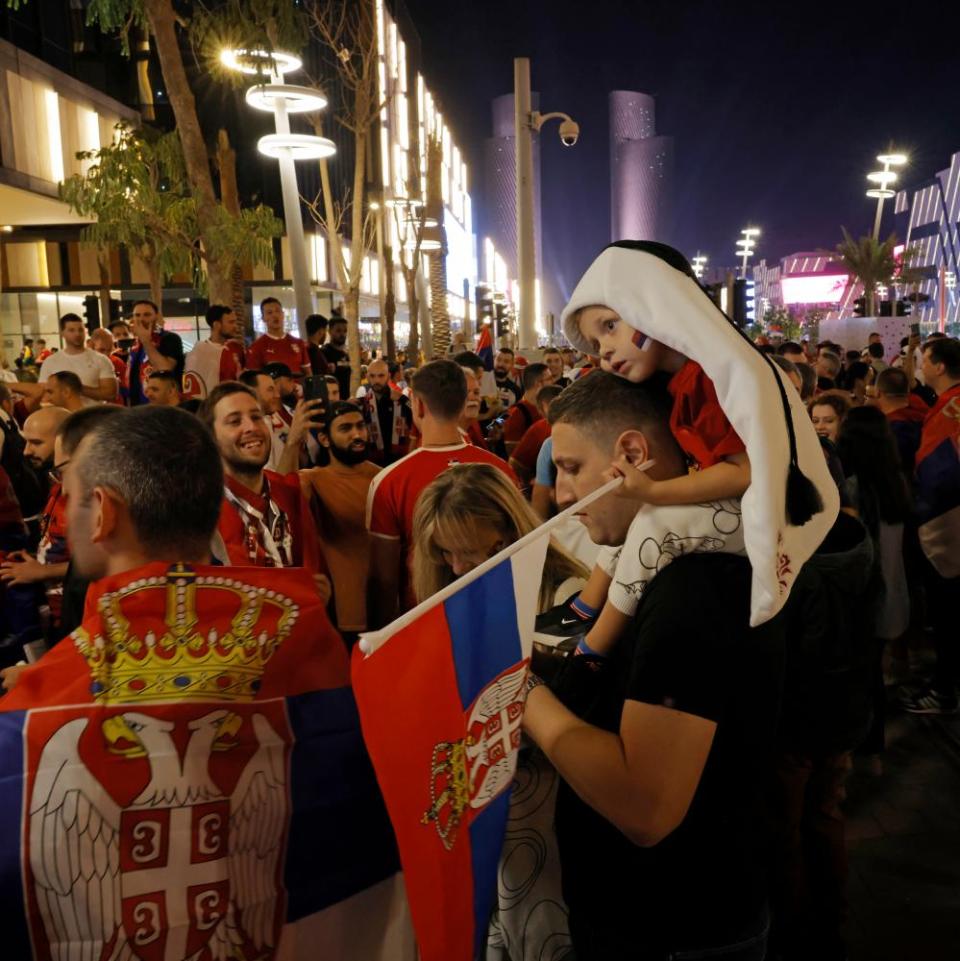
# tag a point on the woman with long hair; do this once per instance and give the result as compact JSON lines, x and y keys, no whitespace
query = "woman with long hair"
{"x":876,"y":488}
{"x":466,"y":516}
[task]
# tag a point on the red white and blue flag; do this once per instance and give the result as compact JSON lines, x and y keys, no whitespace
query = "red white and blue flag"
{"x":441,"y":703}
{"x":184,"y":777}
{"x":485,"y":347}
{"x":938,"y":484}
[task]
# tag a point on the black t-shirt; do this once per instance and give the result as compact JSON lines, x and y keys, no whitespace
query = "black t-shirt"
{"x":509,"y":392}
{"x":703,"y":885}
{"x":339,"y":360}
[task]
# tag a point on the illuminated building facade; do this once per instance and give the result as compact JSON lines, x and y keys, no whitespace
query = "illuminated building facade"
{"x":928,"y":218}
{"x":641,"y":169}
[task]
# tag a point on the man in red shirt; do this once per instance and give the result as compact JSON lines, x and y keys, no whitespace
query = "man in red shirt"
{"x":264,"y":520}
{"x":524,"y":412}
{"x":523,"y":460}
{"x":276,"y":346}
{"x":218,"y":358}
{"x":438,"y":399}
{"x":101,"y":340}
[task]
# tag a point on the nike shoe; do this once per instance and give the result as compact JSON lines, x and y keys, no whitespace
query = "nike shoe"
{"x":562,"y":626}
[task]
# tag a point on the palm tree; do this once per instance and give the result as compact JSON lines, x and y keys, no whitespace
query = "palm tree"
{"x":867,"y":260}
{"x":439,"y":314}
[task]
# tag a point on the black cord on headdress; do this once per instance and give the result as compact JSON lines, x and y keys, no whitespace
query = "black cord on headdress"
{"x":803,"y":500}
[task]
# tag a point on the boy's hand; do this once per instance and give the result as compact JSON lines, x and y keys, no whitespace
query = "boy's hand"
{"x":637,"y":484}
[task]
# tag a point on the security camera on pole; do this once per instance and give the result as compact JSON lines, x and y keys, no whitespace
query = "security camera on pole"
{"x":526,"y":123}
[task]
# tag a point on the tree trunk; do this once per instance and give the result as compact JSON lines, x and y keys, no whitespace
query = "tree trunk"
{"x":389,"y":305}
{"x":413,"y":310}
{"x":357,"y":251}
{"x":230,"y":197}
{"x":103,"y":267}
{"x":156,"y":286}
{"x":439,"y":314}
{"x":162,"y":19}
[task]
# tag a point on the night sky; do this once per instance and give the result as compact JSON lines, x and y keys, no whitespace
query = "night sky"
{"x":777,"y":111}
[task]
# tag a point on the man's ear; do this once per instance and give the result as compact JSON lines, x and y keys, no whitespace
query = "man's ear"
{"x":105,"y":509}
{"x":323,"y":438}
{"x":632,"y":444}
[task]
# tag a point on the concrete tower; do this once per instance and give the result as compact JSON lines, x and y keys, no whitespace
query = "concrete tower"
{"x":641,"y":169}
{"x":500,"y":173}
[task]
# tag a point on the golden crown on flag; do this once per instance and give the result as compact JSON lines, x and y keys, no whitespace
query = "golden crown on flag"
{"x":176,"y":657}
{"x":449,"y":789}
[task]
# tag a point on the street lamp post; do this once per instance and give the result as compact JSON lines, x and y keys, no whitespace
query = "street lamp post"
{"x":745,"y":246}
{"x":699,"y":264}
{"x":883,"y":179}
{"x":527,"y":122}
{"x":285,"y":147}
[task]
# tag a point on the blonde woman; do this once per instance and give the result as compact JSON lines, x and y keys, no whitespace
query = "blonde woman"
{"x":466,"y":516}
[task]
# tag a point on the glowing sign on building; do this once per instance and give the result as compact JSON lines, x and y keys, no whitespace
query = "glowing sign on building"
{"x":813,"y":288}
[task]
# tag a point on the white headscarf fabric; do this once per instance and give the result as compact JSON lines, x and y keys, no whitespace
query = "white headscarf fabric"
{"x":656,"y":298}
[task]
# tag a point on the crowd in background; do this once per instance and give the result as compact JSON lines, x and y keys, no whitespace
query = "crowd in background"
{"x":389,"y":492}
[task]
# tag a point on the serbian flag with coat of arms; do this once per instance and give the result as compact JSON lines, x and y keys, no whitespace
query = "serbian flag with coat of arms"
{"x":441,"y":694}
{"x":184,"y":777}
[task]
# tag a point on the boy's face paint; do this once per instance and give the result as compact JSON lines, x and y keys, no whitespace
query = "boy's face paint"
{"x":623,"y":351}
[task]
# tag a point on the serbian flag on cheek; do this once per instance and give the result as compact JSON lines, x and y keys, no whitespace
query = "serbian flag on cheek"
{"x":441,"y":700}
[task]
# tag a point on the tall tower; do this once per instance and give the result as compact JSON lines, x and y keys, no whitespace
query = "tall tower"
{"x":641,"y":169}
{"x":500,"y":195}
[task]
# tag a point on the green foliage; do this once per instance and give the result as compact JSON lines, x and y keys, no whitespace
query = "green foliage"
{"x":245,"y":25}
{"x":867,"y":260}
{"x":138,"y":191}
{"x":783,"y":320}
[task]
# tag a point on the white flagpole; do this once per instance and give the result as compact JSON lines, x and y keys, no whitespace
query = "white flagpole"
{"x":372,"y":640}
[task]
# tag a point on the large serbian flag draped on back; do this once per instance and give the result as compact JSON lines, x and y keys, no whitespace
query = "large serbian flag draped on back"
{"x":183,"y":778}
{"x":441,"y":702}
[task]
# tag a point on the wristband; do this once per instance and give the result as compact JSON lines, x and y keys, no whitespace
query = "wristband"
{"x":584,"y":648}
{"x":582,"y":609}
{"x":533,"y":680}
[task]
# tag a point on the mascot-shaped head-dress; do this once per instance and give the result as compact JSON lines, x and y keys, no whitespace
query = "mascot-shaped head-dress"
{"x":792,"y":500}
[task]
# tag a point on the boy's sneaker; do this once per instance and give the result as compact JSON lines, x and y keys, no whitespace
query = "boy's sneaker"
{"x":928,"y":701}
{"x":563,"y":622}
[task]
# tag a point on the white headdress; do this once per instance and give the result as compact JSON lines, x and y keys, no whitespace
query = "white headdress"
{"x":653,"y":289}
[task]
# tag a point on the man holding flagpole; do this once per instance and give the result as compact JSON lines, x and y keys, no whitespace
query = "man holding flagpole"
{"x":661,"y":748}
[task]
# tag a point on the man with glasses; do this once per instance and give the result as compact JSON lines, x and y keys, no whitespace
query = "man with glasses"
{"x":49,"y":566}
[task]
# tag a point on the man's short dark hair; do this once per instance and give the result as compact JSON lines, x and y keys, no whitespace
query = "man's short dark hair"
{"x":531,"y":374}
{"x":551,"y":350}
{"x":216,"y":313}
{"x":330,"y":379}
{"x":165,"y":467}
{"x":315,"y":323}
{"x":249,"y":378}
{"x":874,"y":333}
{"x":603,"y":406}
{"x":786,"y":365}
{"x":338,"y":409}
{"x":442,"y":386}
{"x":207,"y":410}
{"x":468,"y":359}
{"x":547,"y":395}
{"x":68,"y":379}
{"x":114,"y":324}
{"x":946,"y":351}
{"x":506,"y":350}
{"x":81,"y":422}
{"x":893,"y":382}
{"x":337,"y":319}
{"x":149,"y":303}
{"x":269,"y":300}
{"x":875,"y":351}
{"x":789,"y":347}
{"x":68,"y":319}
{"x":166,"y":375}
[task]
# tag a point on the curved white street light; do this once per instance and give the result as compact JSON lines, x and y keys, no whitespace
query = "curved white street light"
{"x":884,"y":179}
{"x":284,"y":99}
{"x":746,"y":245}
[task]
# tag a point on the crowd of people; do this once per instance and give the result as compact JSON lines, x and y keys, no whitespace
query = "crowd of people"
{"x":695,"y":765}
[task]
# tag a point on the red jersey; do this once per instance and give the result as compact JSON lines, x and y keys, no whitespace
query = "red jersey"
{"x":697,"y":420}
{"x":287,"y":349}
{"x":525,"y":453}
{"x":521,"y":416}
{"x":271,"y":529}
{"x":53,"y":547}
{"x":394,"y":492}
{"x":474,"y":435}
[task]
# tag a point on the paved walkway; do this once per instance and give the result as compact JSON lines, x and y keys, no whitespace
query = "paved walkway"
{"x":904,"y":840}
